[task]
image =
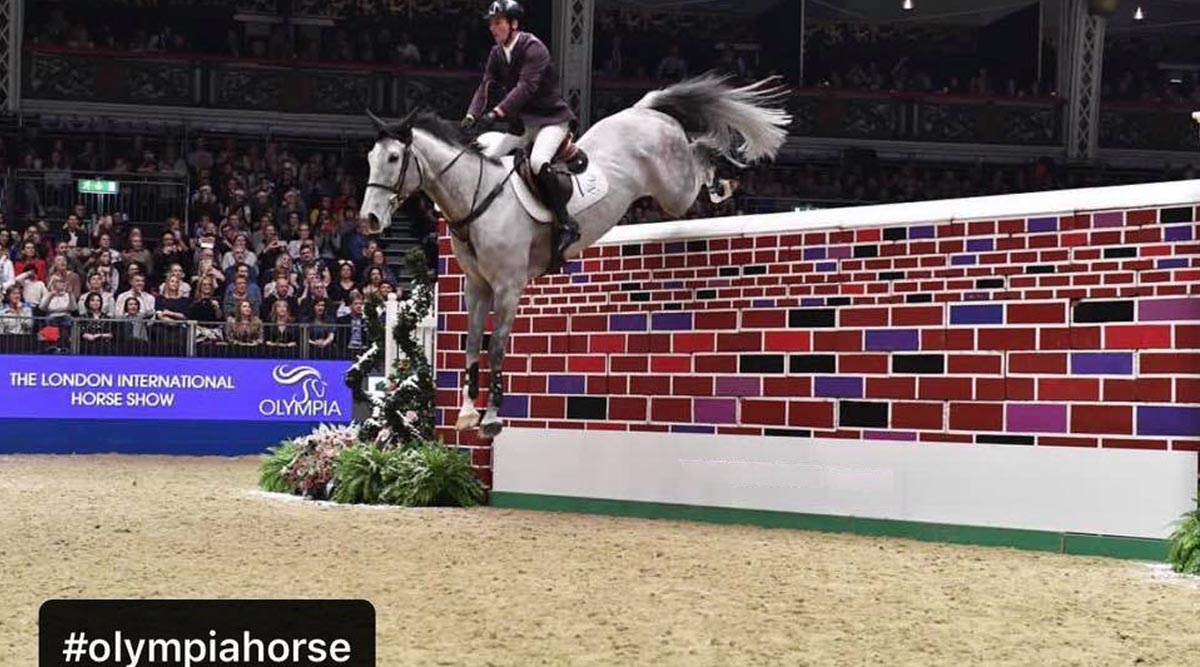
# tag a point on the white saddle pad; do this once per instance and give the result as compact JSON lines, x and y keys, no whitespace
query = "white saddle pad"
{"x":590,"y":187}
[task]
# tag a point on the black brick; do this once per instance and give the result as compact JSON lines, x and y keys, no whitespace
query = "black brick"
{"x":1119,"y":253}
{"x":918,"y":298}
{"x":895,"y":234}
{"x":891,"y":275}
{"x":862,"y":413}
{"x":918,"y":363}
{"x":697,"y":246}
{"x":632,"y":249}
{"x":760,"y":363}
{"x":587,"y":407}
{"x":706,"y":294}
{"x":1103,"y":311}
{"x":989,"y":283}
{"x":812,"y":363}
{"x":1042,"y":268}
{"x":729,"y":271}
{"x":639,"y":297}
{"x":630,"y":287}
{"x":866,"y":251}
{"x":788,"y":432}
{"x":988,"y":439}
{"x":754,"y":271}
{"x":808,"y":318}
{"x":1181,"y":214}
{"x":838,"y":301}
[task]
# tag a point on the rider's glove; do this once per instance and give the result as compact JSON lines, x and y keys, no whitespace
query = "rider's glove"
{"x":486,"y":122}
{"x":468,"y":122}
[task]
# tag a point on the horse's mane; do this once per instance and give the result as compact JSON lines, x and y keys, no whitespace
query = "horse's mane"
{"x":445,"y":131}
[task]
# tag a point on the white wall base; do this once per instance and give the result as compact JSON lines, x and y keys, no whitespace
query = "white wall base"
{"x":1126,"y":493}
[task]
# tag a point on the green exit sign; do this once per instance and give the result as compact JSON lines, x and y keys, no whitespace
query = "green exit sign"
{"x":94,"y":187}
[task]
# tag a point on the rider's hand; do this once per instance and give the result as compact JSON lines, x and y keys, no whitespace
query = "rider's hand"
{"x":485,"y":123}
{"x":468,"y":122}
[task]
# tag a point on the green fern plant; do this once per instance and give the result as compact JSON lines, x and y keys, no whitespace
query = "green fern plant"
{"x":271,"y":473}
{"x":1184,"y":554}
{"x":432,"y":474}
{"x":363,"y":472}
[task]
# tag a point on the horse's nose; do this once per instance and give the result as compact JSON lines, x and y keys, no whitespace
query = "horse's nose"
{"x":374,"y":223}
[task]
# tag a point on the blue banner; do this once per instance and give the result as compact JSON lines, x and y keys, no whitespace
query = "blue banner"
{"x":159,"y":388}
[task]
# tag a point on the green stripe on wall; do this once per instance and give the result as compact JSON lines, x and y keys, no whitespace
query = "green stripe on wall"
{"x":1032,"y":540}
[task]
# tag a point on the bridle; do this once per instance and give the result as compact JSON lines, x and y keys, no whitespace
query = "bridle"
{"x":455,"y":226}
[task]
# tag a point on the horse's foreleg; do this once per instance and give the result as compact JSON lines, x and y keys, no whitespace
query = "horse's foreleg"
{"x":479,"y":297}
{"x":507,"y":300}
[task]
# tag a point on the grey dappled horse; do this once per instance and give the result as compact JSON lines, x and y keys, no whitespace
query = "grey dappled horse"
{"x":642,"y":151}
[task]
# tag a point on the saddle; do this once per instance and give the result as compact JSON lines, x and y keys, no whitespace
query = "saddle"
{"x":569,"y":160}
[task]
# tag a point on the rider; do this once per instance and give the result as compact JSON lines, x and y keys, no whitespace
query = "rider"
{"x":521,"y":63}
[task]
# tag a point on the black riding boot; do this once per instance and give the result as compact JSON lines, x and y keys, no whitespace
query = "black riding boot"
{"x":567,"y":230}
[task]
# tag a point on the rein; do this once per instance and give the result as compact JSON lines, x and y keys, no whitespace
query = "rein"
{"x":476,"y":211}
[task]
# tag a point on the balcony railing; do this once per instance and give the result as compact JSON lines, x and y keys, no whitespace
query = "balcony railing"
{"x":52,"y":193}
{"x":199,"y":80}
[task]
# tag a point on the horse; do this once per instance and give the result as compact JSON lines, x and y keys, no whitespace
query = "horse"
{"x":644,"y":150}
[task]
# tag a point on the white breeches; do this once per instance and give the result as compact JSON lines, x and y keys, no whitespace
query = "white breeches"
{"x":545,"y":139}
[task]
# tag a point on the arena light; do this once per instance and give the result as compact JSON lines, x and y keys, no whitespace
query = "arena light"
{"x":907,"y":5}
{"x":1138,"y":14}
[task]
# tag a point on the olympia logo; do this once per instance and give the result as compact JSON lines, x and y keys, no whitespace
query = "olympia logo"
{"x":307,"y":401}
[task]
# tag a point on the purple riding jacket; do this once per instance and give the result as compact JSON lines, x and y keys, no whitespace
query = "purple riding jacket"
{"x":531,"y":81}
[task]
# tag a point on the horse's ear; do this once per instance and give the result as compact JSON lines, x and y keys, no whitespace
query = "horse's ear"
{"x":379,"y":124}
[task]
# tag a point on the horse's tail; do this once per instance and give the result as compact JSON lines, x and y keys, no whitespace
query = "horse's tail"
{"x":708,"y":104}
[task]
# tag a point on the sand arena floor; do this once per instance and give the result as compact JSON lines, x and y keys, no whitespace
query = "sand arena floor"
{"x":500,"y":587}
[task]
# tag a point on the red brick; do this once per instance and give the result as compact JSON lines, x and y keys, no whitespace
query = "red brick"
{"x":787,"y":386}
{"x":694,"y":342}
{"x":1054,"y":338}
{"x":629,"y":364}
{"x":548,"y":407}
{"x":1137,"y":336}
{"x":1187,"y":390}
{"x":651,"y":385}
{"x":896,"y":387}
{"x":1085,"y":338}
{"x":946,"y":437}
{"x":764,"y":319}
{"x":976,"y":416}
{"x":1120,"y":390}
{"x":530,"y":344}
{"x":577,"y":344}
{"x":758,"y":411}
{"x":924,"y":416}
{"x":1143,"y":217}
{"x":671,"y":409}
{"x":670,"y":364}
{"x":1185,"y":445}
{"x":1155,"y":390}
{"x":717,"y":320}
{"x":1037,"y":313}
{"x":983,"y":364}
{"x":863,"y":317}
{"x":1169,"y":363}
{"x":587,"y":364}
{"x":918,"y":316}
{"x":1018,"y":389}
{"x":627,"y":408}
{"x":931,"y":388}
{"x":809,"y":414}
{"x":589,"y":323}
{"x":692,"y":385}
{"x":739,"y":342}
{"x":1101,"y":419}
{"x":1007,"y":338}
{"x":1068,"y":389}
{"x":1037,"y":363}
{"x":868,"y":235}
{"x":1187,"y":336}
{"x":607,"y":343}
{"x":549,"y":364}
{"x":874,"y":364}
{"x":1133,"y":443}
{"x":991,"y":389}
{"x":841,"y":341}
{"x":716,"y":363}
{"x":788,"y":341}
{"x":597,"y":385}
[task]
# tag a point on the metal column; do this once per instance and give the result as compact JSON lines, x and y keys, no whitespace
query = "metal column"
{"x":11,"y":25}
{"x":1081,"y":57}
{"x":573,"y":23}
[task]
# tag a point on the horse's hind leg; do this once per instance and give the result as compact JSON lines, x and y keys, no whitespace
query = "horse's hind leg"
{"x":507,"y":300}
{"x":479,"y":299}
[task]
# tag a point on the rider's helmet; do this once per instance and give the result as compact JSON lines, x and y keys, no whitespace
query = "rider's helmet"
{"x":509,"y":9}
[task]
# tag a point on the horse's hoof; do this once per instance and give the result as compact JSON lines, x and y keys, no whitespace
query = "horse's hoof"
{"x":491,"y":429}
{"x":467,"y":420}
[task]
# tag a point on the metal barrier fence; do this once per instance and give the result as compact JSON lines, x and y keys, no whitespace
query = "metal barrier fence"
{"x":159,"y":338}
{"x":53,"y":193}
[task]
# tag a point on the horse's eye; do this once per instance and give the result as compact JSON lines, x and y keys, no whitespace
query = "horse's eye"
{"x":393,"y":158}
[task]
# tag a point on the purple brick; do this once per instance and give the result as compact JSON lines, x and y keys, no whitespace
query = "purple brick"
{"x":1169,"y":310}
{"x":1178,"y":233}
{"x":579,"y":278}
{"x":763,"y":303}
{"x":1172,"y":263}
{"x":671,"y":322}
{"x":989,"y":314}
{"x":1102,"y":363}
{"x":838,"y":387}
{"x":1035,"y":418}
{"x":441,"y":322}
{"x":814,"y":253}
{"x":447,"y":379}
{"x":675,"y":247}
{"x":738,"y":386}
{"x":926,"y":232}
{"x":715,"y":410}
{"x":1168,"y":420}
{"x":809,"y":301}
{"x":964,"y":260}
{"x":893,"y":339}
{"x":1109,"y":219}
{"x":688,"y":428}
{"x":980,"y":245}
{"x":567,"y":384}
{"x":722,"y":282}
{"x":890,"y":435}
{"x":634,"y":322}
{"x":443,"y":266}
{"x":841,"y":252}
{"x":515,"y":406}
{"x":977,"y":296}
{"x":827,"y":266}
{"x":1036,"y":225}
{"x":673,"y":284}
{"x":574,"y":267}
